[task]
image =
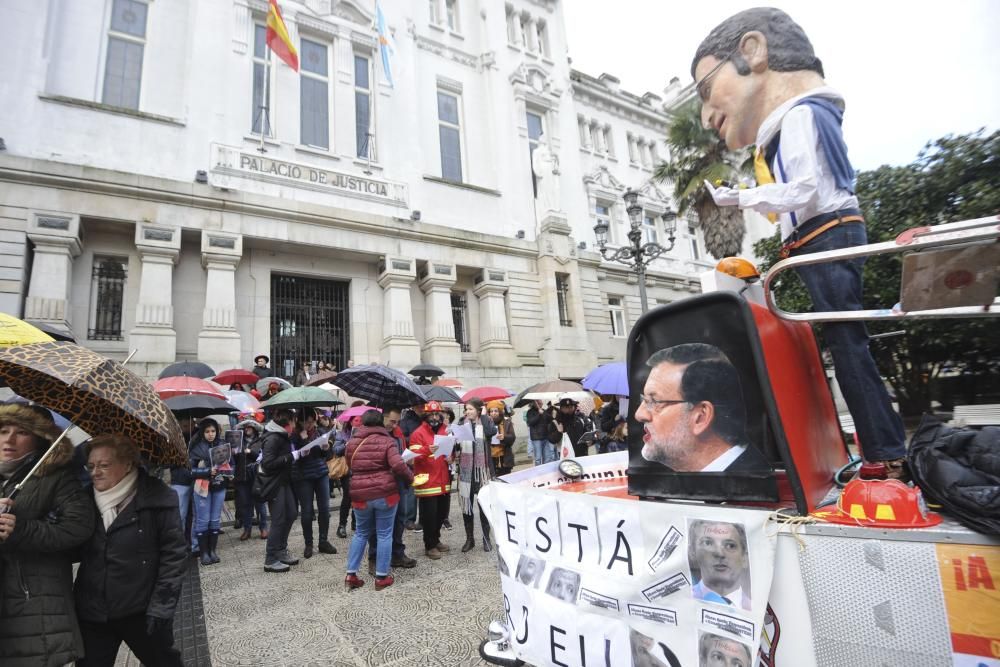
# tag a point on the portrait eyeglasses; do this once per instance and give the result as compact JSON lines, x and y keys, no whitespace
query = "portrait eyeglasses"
{"x":103,"y":467}
{"x":654,"y":404}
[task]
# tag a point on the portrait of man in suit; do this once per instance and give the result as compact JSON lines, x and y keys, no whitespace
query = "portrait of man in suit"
{"x":719,"y":562}
{"x":693,"y":415}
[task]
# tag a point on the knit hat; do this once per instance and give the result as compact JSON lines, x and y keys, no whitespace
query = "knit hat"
{"x":499,"y":405}
{"x":32,"y":418}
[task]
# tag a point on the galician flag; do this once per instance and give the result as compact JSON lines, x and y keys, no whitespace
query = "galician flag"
{"x":277,"y":37}
{"x":385,"y":41}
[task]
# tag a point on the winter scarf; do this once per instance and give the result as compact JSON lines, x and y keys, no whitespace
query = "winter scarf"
{"x":118,"y":496}
{"x":472,"y":466}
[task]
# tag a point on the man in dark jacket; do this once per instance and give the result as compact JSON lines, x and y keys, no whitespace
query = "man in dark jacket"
{"x":132,"y":568}
{"x":568,"y":421}
{"x":608,"y":419}
{"x":277,"y":457}
{"x":260,"y":368}
{"x":538,"y":419}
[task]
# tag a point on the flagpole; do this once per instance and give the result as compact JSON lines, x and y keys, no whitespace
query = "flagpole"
{"x":265,"y":119}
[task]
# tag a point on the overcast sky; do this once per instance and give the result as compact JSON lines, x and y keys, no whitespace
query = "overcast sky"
{"x":911,"y":71}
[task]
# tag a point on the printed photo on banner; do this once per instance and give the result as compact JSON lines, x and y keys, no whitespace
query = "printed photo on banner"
{"x":720,"y":563}
{"x":563,"y":584}
{"x":700,"y":423}
{"x":717,"y":651}
{"x":530,"y":570}
{"x":647,"y":652}
{"x":693,"y":414}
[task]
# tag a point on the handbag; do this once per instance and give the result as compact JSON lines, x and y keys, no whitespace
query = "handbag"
{"x":265,"y":487}
{"x":337,"y":468}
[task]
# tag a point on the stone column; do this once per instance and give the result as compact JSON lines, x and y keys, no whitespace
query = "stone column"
{"x":495,"y":349}
{"x":567,"y":351}
{"x":400,"y":348}
{"x":440,"y":347}
{"x":153,"y":338}
{"x":219,"y":340}
{"x":56,"y":238}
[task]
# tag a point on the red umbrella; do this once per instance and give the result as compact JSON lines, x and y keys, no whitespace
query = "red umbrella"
{"x":448,"y":382}
{"x":486,"y":394}
{"x":183,"y":385}
{"x":235,"y":376}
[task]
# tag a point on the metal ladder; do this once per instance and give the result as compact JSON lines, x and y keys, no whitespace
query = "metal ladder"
{"x":980,"y":231}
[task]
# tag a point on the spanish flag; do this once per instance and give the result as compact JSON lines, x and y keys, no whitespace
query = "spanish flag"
{"x":277,"y":37}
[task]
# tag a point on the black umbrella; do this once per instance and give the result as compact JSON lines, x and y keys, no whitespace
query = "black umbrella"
{"x":58,"y":334}
{"x":199,"y":405}
{"x":380,"y":385}
{"x":194,"y":369}
{"x":426,"y":370}
{"x":436,"y":393}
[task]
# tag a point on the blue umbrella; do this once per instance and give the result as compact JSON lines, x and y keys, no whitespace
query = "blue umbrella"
{"x":609,"y":379}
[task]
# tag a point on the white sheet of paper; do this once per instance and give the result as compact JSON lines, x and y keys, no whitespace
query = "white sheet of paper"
{"x":318,"y":441}
{"x":495,"y":440}
{"x":462,"y":432}
{"x":408,"y":456}
{"x":445,"y":444}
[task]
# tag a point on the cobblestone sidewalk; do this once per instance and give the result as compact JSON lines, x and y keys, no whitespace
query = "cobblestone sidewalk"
{"x":435,"y":614}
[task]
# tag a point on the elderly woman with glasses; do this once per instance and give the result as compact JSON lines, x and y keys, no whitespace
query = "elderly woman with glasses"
{"x":132,"y":568}
{"x":39,"y":534}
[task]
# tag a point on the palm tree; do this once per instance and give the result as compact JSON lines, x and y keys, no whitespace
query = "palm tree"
{"x":697,"y":155}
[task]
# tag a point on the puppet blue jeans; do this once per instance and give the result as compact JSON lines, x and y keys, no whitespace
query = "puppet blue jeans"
{"x":837,"y":286}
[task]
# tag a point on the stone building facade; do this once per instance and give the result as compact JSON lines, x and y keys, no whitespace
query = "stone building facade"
{"x":167,"y":186}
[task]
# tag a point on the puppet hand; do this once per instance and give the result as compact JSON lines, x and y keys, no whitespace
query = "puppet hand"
{"x":723,"y":196}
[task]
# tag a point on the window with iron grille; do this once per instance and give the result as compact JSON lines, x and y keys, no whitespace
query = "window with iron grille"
{"x":107,"y":298}
{"x":562,"y":298}
{"x":459,"y":315}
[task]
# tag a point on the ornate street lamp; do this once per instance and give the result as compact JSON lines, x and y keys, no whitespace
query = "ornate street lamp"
{"x":636,"y":254}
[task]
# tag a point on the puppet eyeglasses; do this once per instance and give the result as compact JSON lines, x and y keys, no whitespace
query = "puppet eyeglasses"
{"x":704,"y":87}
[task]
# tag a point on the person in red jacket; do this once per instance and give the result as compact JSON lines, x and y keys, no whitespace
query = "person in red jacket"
{"x":432,"y":493}
{"x":375,"y":463}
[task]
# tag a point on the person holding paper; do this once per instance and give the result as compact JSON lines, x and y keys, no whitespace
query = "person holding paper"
{"x":310,"y":479}
{"x":432,"y":482}
{"x":475,"y":467}
{"x":502,"y":443}
{"x":209,"y":490}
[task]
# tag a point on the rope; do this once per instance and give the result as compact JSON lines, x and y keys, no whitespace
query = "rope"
{"x":795,"y":524}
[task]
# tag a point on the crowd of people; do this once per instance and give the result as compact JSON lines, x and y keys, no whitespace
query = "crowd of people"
{"x":133,"y":529}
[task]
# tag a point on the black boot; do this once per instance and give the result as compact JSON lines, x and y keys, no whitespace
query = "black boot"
{"x":213,"y":544}
{"x":324,"y":527}
{"x":470,"y":540}
{"x":206,"y":557}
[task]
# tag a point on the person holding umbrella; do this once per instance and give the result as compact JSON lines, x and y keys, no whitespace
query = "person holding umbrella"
{"x":39,"y":534}
{"x":310,"y":479}
{"x":132,"y":567}
{"x":376,"y":465}
{"x":432,"y":482}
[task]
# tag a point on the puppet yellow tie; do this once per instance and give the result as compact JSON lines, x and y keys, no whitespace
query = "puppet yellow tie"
{"x":764,"y":176}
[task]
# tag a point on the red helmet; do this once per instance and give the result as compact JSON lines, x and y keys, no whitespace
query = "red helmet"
{"x":881,"y":503}
{"x":432,"y":406}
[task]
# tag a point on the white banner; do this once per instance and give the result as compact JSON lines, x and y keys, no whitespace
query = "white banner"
{"x":594,"y":581}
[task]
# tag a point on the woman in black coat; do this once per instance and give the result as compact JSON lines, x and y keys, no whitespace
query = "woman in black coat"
{"x":51,"y":517}
{"x":132,"y":568}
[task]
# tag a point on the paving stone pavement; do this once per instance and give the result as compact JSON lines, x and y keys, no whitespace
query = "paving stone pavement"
{"x":435,"y":614}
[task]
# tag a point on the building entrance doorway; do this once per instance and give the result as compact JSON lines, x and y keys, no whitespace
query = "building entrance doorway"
{"x":310,"y":323}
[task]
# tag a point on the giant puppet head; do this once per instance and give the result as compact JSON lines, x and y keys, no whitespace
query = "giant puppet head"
{"x":747,"y":67}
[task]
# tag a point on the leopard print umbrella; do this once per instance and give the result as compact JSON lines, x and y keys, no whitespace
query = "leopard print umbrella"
{"x":95,"y":393}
